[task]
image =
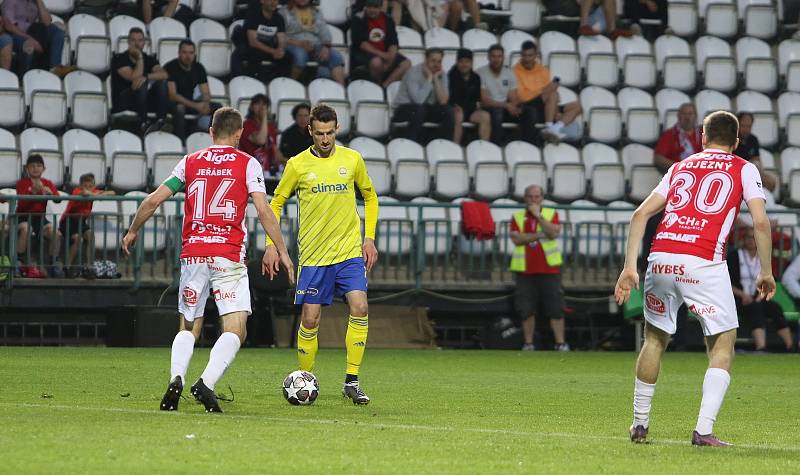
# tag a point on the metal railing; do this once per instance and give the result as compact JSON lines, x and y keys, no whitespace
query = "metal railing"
{"x":421,"y":245}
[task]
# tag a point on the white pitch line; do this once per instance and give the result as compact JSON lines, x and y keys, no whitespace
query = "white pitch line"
{"x":564,"y":435}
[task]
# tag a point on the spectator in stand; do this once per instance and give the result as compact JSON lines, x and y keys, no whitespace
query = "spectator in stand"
{"x":32,"y":218}
{"x":168,"y":8}
{"x":6,"y":47}
{"x":750,"y":149}
{"x":296,"y":137}
{"x":374,"y":46}
{"x":744,"y":266}
{"x":35,"y":35}
{"x":600,"y":16}
{"x":499,"y":92}
{"x":452,"y":15}
{"x":538,"y":94}
{"x":536,"y":265}
{"x":260,"y":137}
{"x":636,"y":10}
{"x":465,"y":97}
{"x":188,"y":90}
{"x":75,"y":224}
{"x":394,"y":8}
{"x":423,"y":97}
{"x":139,"y":83}
{"x":266,"y":42}
{"x":679,"y":141}
{"x":310,"y":40}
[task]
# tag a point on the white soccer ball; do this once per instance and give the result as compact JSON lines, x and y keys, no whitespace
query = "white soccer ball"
{"x":300,"y":388}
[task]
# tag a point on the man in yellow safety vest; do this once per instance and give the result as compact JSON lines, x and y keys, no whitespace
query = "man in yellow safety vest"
{"x":537,"y":266}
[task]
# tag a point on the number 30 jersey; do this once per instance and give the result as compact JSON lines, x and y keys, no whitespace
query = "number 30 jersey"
{"x":703,"y":194}
{"x":218,"y":181}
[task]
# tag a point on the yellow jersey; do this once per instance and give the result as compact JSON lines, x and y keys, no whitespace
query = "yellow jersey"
{"x":330,"y":228}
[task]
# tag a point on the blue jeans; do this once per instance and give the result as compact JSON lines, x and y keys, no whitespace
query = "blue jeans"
{"x":300,"y":57}
{"x":53,"y":49}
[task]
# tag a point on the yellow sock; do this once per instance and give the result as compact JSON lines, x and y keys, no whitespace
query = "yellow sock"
{"x":356,"y":341}
{"x":307,"y":345}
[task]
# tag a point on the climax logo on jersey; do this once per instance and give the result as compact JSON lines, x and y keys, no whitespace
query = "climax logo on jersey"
{"x":655,"y":304}
{"x":323,"y":188}
{"x":216,"y":159}
{"x":190,"y":296}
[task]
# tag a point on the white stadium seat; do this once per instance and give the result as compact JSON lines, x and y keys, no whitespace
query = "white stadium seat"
{"x":635,"y":57}
{"x":165,"y":36}
{"x":83,"y":154}
{"x":682,"y":17}
{"x":333,"y":94}
{"x":439,"y":150}
{"x":369,"y":148}
{"x":445,"y":39}
{"x":635,"y":155}
{"x":9,"y":155}
{"x":479,"y":151}
{"x":525,"y":174}
{"x":526,"y":14}
{"x":599,"y":61}
{"x":45,"y":98}
{"x":560,"y":54}
{"x":667,"y":102}
{"x":335,"y":11}
{"x":163,"y":151}
{"x":369,"y":108}
{"x":88,"y":104}
{"x":380,"y":171}
{"x":285,"y":93}
{"x":675,"y":61}
{"x":213,"y":47}
{"x":605,"y":172}
{"x":395,"y":231}
{"x":765,"y":121}
{"x":789,"y":63}
{"x":639,"y":115}
{"x":218,"y":91}
{"x":715,"y":62}
{"x":790,"y":161}
{"x":566,"y":172}
{"x":119,"y":27}
{"x":437,"y":232}
{"x":789,"y":116}
{"x":512,"y":40}
{"x":644,"y":178}
{"x":127,"y":162}
{"x":451,"y":179}
{"x":12,"y":100}
{"x":242,"y":89}
{"x":491,"y":180}
{"x":478,"y":41}
{"x":198,"y":141}
{"x":708,"y":101}
{"x":759,"y":18}
{"x":60,"y":7}
{"x":36,"y":140}
{"x":721,"y":17}
{"x":410,"y":44}
{"x":90,"y":43}
{"x":603,"y":117}
{"x":404,"y":149}
{"x":220,"y":10}
{"x":593,"y":235}
{"x":153,"y":234}
{"x":754,"y":60}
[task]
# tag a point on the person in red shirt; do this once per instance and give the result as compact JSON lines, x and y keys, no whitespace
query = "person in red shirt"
{"x":538,"y":277}
{"x":374,"y":47}
{"x":75,"y":221}
{"x":31,"y":214}
{"x":260,"y":137}
{"x":680,"y":141}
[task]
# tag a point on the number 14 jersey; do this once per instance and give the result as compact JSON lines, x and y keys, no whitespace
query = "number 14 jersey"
{"x":218,"y":181}
{"x":703,"y":194}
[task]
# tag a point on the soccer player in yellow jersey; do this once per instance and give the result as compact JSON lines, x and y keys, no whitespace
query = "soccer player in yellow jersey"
{"x":333,"y":259}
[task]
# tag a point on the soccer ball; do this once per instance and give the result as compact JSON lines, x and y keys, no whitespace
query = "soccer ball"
{"x":300,"y":388}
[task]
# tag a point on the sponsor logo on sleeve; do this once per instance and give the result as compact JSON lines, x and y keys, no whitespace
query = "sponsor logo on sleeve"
{"x":655,"y":304}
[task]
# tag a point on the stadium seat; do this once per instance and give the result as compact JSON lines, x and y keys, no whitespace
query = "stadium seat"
{"x":369,"y":148}
{"x":163,"y":151}
{"x":635,"y":154}
{"x":603,"y":117}
{"x":667,"y":102}
{"x":599,"y":61}
{"x":60,"y":7}
{"x":708,"y":101}
{"x":720,"y":17}
{"x":479,"y":151}
{"x":153,"y":234}
{"x":682,"y":17}
{"x":410,"y":44}
{"x":790,"y":161}
{"x":789,"y":63}
{"x":46,"y":100}
{"x":404,"y":149}
{"x":127,"y":162}
{"x":107,"y":225}
{"x":11,"y":171}
{"x":557,"y":154}
{"x":478,"y":41}
{"x":593,"y":234}
{"x":165,"y":36}
{"x":412,"y":178}
{"x":524,"y":174}
{"x":620,"y":217}
{"x":675,"y":62}
{"x":12,"y":100}
{"x":439,"y":150}
{"x":635,"y":56}
{"x":339,"y":43}
{"x":451,"y":179}
{"x":285,"y":93}
{"x":370,"y":110}
{"x":526,"y":15}
{"x":83,"y":154}
{"x":445,"y":39}
{"x":218,"y":91}
{"x":198,"y":141}
{"x":558,"y":53}
{"x":491,"y":180}
{"x":512,"y":44}
{"x":333,"y":94}
{"x":644,"y":178}
{"x":336,"y":12}
{"x":88,"y":104}
{"x":765,"y":121}
{"x":380,"y":171}
{"x":220,"y":10}
{"x":437,"y":233}
{"x":566,"y":172}
{"x":119,"y":27}
{"x":605,"y":172}
{"x":789,"y":116}
{"x":755,"y":62}
{"x":36,"y":140}
{"x":715,"y":63}
{"x":794,"y":187}
{"x":241,"y":89}
{"x":90,"y":43}
{"x":395,"y":232}
{"x":639,"y":115}
{"x":213,"y":47}
{"x":519,"y":151}
{"x":759,"y":18}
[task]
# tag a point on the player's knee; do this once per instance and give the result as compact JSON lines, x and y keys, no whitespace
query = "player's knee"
{"x":309,"y":321}
{"x":359,"y":309}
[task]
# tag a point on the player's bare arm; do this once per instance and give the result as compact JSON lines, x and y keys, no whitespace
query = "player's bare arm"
{"x":143,"y":213}
{"x":277,"y":254}
{"x":629,"y":277}
{"x":765,"y":282}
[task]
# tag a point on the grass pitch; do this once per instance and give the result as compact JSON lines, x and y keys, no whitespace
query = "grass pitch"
{"x":92,"y":410}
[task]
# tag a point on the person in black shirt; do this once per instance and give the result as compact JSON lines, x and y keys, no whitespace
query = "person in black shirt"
{"x":168,"y":8}
{"x":138,"y":81}
{"x":186,"y":76}
{"x":265,"y":35}
{"x":296,"y":137}
{"x":465,"y":94}
{"x":750,"y":149}
{"x":374,"y":47}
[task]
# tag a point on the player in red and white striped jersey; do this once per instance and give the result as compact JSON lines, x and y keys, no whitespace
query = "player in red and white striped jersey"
{"x":701,"y":197}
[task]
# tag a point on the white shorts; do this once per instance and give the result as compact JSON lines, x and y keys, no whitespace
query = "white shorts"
{"x":227,"y":278}
{"x":705,"y":287}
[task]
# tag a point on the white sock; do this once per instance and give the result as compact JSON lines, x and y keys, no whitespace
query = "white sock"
{"x":642,"y":395}
{"x":714,"y":386}
{"x":182,"y":348}
{"x":222,"y":355}
{"x":556,"y":127}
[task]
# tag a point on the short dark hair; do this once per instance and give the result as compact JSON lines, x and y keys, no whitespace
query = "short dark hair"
{"x":226,"y":121}
{"x":34,"y":158}
{"x":528,"y":45}
{"x":496,"y":46}
{"x":742,"y":115}
{"x":323,"y":113}
{"x":86,"y":177}
{"x":260,"y":97}
{"x":721,"y":128}
{"x":135,"y":29}
{"x":434,"y":50}
{"x":296,"y":109}
{"x":186,"y":41}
